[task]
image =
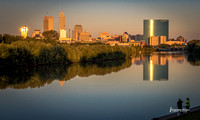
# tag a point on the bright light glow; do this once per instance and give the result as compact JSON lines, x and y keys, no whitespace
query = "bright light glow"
{"x":151,"y":70}
{"x":24,"y":31}
{"x":151,"y":27}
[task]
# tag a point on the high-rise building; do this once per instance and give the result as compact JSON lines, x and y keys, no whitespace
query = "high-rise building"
{"x":62,"y":21}
{"x":24,"y":31}
{"x":47,"y":23}
{"x":77,"y":30}
{"x":155,"y":28}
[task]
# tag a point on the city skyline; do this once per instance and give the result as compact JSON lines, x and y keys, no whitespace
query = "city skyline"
{"x":97,"y":16}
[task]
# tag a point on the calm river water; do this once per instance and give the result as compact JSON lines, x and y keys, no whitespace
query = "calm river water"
{"x":138,"y":89}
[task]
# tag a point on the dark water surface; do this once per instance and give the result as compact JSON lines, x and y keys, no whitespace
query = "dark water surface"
{"x":137,"y":89}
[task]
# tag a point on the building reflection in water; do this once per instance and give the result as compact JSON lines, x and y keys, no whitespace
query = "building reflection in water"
{"x":155,"y":67}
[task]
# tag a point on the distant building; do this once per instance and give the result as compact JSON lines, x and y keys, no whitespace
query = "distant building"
{"x":47,"y":23}
{"x":105,"y":36}
{"x":171,"y":42}
{"x":63,"y":35}
{"x":153,"y":40}
{"x":85,"y":36}
{"x":139,"y":37}
{"x":162,"y":39}
{"x":117,"y":37}
{"x":132,"y":37}
{"x":125,"y":37}
{"x":155,"y":28}
{"x":180,"y":38}
{"x":24,"y":31}
{"x":156,"y":40}
{"x":62,"y":22}
{"x":77,"y":30}
{"x":37,"y":34}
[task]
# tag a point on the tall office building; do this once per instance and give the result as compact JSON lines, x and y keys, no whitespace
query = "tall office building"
{"x":77,"y":30}
{"x":155,"y":28}
{"x":61,"y":21}
{"x":47,"y":23}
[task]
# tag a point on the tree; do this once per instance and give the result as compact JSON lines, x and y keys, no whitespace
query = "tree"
{"x":51,"y":35}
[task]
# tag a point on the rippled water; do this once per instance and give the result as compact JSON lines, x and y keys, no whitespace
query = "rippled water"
{"x":137,"y":89}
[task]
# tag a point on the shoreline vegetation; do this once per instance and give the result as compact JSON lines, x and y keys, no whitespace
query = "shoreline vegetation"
{"x":33,"y":53}
{"x":17,"y":51}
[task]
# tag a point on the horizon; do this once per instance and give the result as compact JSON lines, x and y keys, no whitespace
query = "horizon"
{"x":97,"y":16}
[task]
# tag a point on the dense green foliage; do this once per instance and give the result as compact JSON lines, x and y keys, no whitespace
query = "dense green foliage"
{"x":38,"y":52}
{"x":194,"y":46}
{"x":21,"y":77}
{"x":51,"y":35}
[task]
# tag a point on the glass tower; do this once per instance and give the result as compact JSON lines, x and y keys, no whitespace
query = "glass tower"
{"x":155,"y":28}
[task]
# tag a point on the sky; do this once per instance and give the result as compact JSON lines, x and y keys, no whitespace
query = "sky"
{"x":96,"y":16}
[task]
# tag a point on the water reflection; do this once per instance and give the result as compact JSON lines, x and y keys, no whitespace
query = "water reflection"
{"x":21,"y":78}
{"x":156,"y":65}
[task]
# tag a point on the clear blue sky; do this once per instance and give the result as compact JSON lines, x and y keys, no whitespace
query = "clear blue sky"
{"x":113,"y":16}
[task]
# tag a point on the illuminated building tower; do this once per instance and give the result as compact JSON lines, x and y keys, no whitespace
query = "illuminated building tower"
{"x":155,"y":28}
{"x":47,"y":23}
{"x":77,"y":30}
{"x":24,"y":31}
{"x":61,"y":21}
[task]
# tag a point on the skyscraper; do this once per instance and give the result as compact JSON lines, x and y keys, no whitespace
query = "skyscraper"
{"x":47,"y":23}
{"x":61,"y":21}
{"x":155,"y":28}
{"x":77,"y":30}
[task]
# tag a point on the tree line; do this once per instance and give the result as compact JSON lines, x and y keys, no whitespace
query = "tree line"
{"x":15,"y":50}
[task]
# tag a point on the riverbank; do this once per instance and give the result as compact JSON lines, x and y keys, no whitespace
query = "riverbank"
{"x":192,"y":115}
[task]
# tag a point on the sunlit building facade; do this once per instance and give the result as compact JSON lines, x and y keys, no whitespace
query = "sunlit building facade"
{"x":125,"y":37}
{"x":62,"y":21}
{"x":156,"y":40}
{"x":47,"y":23}
{"x":105,"y":35}
{"x":155,"y":28}
{"x":85,"y":36}
{"x":77,"y":30}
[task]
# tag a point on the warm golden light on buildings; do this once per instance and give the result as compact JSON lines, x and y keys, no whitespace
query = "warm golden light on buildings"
{"x":151,"y":27}
{"x":24,"y":31}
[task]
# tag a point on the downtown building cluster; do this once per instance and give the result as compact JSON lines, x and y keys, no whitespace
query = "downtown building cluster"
{"x":155,"y":32}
